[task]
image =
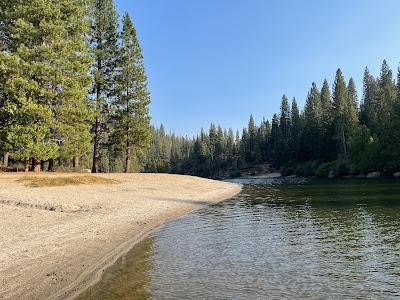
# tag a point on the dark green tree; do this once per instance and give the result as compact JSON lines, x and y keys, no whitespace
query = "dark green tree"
{"x":345,"y":117}
{"x":328,"y":145}
{"x":282,"y":148}
{"x":351,"y":89}
{"x":104,"y":39}
{"x":312,"y":125}
{"x":132,"y":120}
{"x":369,"y":105}
{"x":295,"y":138}
{"x":47,"y":62}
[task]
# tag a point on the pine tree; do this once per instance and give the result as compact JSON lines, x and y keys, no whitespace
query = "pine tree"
{"x":369,"y":105}
{"x":326,"y":104}
{"x":237,"y":143}
{"x":132,"y":121}
{"x":251,"y":147}
{"x":72,"y":109}
{"x":284,"y":123}
{"x":230,"y":144}
{"x":345,"y":119}
{"x":295,"y":131}
{"x":351,"y":89}
{"x":282,"y":148}
{"x":264,"y":131}
{"x":327,"y":144}
{"x":387,"y":113}
{"x":220,"y":145}
{"x":212,"y":137}
{"x":387,"y":95}
{"x":274,"y":136}
{"x":104,"y":39}
{"x":48,"y":60}
{"x":6,"y":9}
{"x":312,"y":125}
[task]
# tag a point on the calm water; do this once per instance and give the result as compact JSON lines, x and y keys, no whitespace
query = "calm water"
{"x":312,"y":240}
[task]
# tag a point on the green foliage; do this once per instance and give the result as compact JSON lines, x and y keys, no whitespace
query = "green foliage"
{"x":312,"y":125}
{"x":334,"y":168}
{"x":131,"y":120}
{"x":364,"y":150}
{"x":44,"y":75}
{"x":48,"y":111}
{"x":307,"y":168}
{"x":104,"y":48}
{"x":325,"y":139}
{"x":345,"y":115}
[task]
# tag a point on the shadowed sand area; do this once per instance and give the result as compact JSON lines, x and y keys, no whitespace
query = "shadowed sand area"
{"x":57,"y":240}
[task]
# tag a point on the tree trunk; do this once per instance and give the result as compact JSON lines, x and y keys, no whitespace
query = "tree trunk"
{"x":96,"y":146}
{"x":344,"y":145}
{"x":26,"y":170}
{"x":128,"y":162}
{"x":50,"y":168}
{"x":42,"y":162}
{"x":75,"y":163}
{"x":5,"y":159}
{"x":36,"y":165}
{"x":96,"y":142}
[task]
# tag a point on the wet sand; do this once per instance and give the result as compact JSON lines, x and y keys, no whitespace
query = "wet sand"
{"x":56,"y":241}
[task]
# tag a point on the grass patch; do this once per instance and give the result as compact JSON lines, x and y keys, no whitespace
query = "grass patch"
{"x":39,"y":181}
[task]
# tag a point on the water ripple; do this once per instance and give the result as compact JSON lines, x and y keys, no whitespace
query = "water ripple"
{"x":273,"y":241}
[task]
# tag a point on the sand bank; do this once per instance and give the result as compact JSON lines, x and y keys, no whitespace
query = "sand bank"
{"x":56,"y":241}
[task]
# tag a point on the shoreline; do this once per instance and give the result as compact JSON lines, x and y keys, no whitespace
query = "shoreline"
{"x":143,"y":209}
{"x":96,"y":276}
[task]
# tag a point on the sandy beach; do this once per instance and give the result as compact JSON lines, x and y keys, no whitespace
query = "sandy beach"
{"x":56,"y":241}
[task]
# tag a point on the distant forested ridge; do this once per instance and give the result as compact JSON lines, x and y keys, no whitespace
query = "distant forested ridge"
{"x":335,"y":134}
{"x":73,"y":88}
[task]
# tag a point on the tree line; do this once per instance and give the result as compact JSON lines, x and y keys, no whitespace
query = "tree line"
{"x":73,"y":87}
{"x":333,"y":135}
{"x":73,"y":95}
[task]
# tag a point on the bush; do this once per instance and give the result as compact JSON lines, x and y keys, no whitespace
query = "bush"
{"x":339,"y":167}
{"x":306,"y":169}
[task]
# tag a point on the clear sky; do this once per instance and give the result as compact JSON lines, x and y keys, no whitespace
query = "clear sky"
{"x":220,"y":60}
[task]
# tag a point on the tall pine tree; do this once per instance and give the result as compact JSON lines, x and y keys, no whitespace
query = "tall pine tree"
{"x":132,"y":120}
{"x":345,"y":117}
{"x":312,"y":125}
{"x":104,"y":38}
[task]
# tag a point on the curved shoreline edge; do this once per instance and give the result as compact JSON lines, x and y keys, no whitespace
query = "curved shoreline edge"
{"x":94,"y":274}
{"x":60,"y":240}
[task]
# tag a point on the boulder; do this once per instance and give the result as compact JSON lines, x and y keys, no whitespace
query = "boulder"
{"x":86,"y":171}
{"x":396,"y":175}
{"x":361,"y":175}
{"x":374,"y":175}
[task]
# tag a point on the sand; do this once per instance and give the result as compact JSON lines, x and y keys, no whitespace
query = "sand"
{"x":57,"y":241}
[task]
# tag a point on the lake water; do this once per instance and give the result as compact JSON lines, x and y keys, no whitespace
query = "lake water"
{"x":277,"y":239}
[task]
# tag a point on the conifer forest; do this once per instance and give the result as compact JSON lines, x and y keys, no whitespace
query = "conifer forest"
{"x":74,"y":95}
{"x":337,"y":133}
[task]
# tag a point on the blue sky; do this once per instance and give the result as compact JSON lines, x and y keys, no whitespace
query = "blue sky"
{"x":220,"y":60}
